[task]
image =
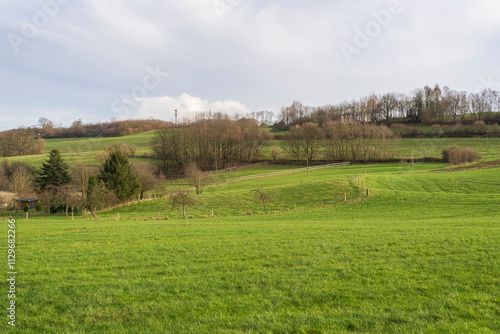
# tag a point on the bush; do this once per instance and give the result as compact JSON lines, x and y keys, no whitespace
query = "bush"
{"x":456,"y":156}
{"x":26,"y":207}
{"x":435,"y":130}
{"x":469,"y":155}
{"x":479,"y":124}
{"x":39,"y":207}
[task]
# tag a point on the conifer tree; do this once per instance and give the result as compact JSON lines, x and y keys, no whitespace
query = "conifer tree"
{"x":54,"y":173}
{"x":117,"y":174}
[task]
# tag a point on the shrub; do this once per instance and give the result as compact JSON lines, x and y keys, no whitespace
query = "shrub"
{"x":469,"y":155}
{"x":39,"y":207}
{"x":435,"y":130}
{"x":456,"y":156}
{"x":26,"y":207}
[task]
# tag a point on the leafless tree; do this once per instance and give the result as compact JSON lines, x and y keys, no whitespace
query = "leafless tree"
{"x":46,"y":126}
{"x":291,"y":143}
{"x":198,"y":178}
{"x":311,"y":138}
{"x":21,"y":182}
{"x":357,"y":142}
{"x":262,"y":196}
{"x":146,"y":176}
{"x":182,"y":200}
{"x":98,"y":197}
{"x":66,"y":196}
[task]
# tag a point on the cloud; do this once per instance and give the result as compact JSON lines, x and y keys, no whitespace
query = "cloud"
{"x":186,"y":106}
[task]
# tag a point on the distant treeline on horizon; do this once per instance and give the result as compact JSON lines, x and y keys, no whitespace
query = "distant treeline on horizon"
{"x":424,"y":106}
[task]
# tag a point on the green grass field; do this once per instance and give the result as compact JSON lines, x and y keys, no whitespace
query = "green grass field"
{"x":420,"y":255}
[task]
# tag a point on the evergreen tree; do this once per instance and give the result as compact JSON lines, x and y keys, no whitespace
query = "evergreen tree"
{"x":54,"y":173}
{"x":117,"y":174}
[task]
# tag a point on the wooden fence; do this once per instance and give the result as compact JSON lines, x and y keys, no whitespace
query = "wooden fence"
{"x":231,"y":169}
{"x":287,"y":172}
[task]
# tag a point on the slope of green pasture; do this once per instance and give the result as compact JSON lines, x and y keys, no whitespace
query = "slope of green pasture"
{"x":487,"y":148}
{"x":76,"y":150}
{"x":420,"y":255}
{"x":328,"y":185}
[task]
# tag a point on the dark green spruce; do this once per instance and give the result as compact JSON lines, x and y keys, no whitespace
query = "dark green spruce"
{"x":117,"y":174}
{"x":54,"y":172}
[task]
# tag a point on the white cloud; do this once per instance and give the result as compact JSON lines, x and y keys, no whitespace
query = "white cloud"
{"x":186,"y":105}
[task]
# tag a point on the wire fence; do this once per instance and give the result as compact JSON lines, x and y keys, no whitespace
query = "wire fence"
{"x":287,"y":172}
{"x":235,"y":168}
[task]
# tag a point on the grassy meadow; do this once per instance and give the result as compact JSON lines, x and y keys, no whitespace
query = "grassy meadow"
{"x":420,"y":255}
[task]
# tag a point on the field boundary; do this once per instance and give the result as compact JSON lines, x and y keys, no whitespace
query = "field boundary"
{"x":235,"y":168}
{"x":287,"y":172}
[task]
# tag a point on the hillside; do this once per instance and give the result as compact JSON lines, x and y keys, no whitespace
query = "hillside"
{"x":419,"y":255}
{"x":84,"y":149}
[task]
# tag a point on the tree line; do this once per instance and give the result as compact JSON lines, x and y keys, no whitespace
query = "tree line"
{"x":427,"y":106}
{"x":46,"y":128}
{"x":20,"y":142}
{"x":340,"y":141}
{"x":211,"y":141}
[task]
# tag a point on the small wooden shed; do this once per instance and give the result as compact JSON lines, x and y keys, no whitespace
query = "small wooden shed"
{"x":20,"y":202}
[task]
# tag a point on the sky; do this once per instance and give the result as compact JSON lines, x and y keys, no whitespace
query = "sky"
{"x":97,"y":60}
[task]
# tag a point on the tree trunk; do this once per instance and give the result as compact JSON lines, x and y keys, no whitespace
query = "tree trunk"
{"x":66,"y":211}
{"x":184,"y":211}
{"x":265,"y":207}
{"x":93,"y":214}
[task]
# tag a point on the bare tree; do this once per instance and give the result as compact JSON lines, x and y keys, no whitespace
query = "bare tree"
{"x":453,"y":101}
{"x":262,"y":196}
{"x":388,"y":105}
{"x":66,"y":196}
{"x":21,"y":182}
{"x":198,"y":178}
{"x":478,"y":104}
{"x":46,"y":126}
{"x":146,"y":176}
{"x":305,"y":140}
{"x":80,"y":176}
{"x":275,"y":153}
{"x":98,"y":196}
{"x":311,"y":138}
{"x":253,"y":139}
{"x":291,"y":143}
{"x":182,"y":200}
